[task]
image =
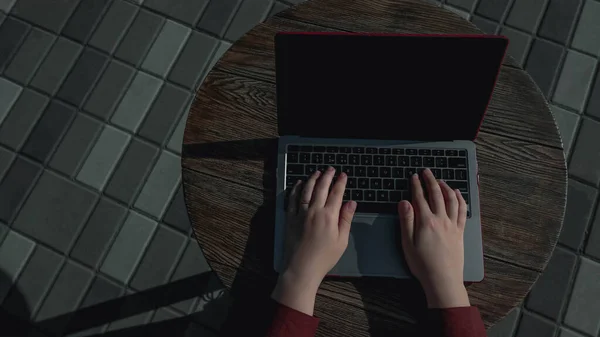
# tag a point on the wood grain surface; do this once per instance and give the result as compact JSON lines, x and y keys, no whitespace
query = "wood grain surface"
{"x":229,"y":163}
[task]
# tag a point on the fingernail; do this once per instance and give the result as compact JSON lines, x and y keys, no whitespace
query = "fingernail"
{"x":317,"y":173}
{"x":342,"y":174}
{"x":330,"y":168}
{"x":352,"y":205}
{"x":415,"y":175}
{"x":441,"y":181}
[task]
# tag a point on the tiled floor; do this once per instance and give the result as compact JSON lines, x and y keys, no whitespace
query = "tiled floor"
{"x":94,"y":236}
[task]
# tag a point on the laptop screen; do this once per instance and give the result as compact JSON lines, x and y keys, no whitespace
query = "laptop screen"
{"x":385,"y":86}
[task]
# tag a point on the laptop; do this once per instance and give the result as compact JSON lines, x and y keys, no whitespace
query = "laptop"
{"x":380,"y":107}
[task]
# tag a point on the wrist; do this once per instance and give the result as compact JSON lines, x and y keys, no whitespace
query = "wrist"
{"x":449,"y":295}
{"x":296,"y":292}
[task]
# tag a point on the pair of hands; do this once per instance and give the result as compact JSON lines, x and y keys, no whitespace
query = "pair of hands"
{"x":319,"y":227}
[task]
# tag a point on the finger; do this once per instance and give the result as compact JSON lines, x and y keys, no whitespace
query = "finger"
{"x":307,"y":192}
{"x":346,"y":216}
{"x":450,"y":200}
{"x":418,"y":199}
{"x":294,"y":197}
{"x":436,"y":199}
{"x":407,"y":222}
{"x":462,"y":210}
{"x":319,"y":197}
{"x":336,"y":196}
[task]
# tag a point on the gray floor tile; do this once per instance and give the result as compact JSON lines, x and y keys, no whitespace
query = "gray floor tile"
{"x":525,"y":14}
{"x":558,"y":20}
{"x":49,"y":129}
{"x":103,"y":158}
{"x":218,"y":15}
{"x":487,"y":26}
{"x":2,"y":17}
{"x":542,"y":63}
{"x":582,"y":312}
{"x":574,"y":80}
{"x":491,"y":9}
{"x":12,"y":32}
{"x":580,"y":201}
{"x":166,"y":48}
{"x":221,"y":49}
{"x":187,"y":11}
{"x":464,"y":4}
{"x":548,"y":294}
{"x":3,"y":227}
{"x":518,"y":45}
{"x":48,"y":14}
{"x":22,"y":118}
{"x":567,"y":122}
{"x":593,"y":244}
{"x":585,"y":161}
{"x":140,"y":37}
{"x":15,"y":185}
{"x":75,"y":145}
{"x":248,"y":15}
{"x":192,"y":263}
{"x":159,"y":187}
{"x":159,"y":260}
{"x":193,"y":59}
{"x":9,"y":92}
{"x":101,"y":227}
{"x":6,"y":158}
{"x":177,"y":137}
{"x":84,"y":19}
{"x":131,"y":305}
{"x":55,"y":211}
{"x":83,"y":76}
{"x":564,"y":332}
{"x":33,"y":283}
{"x":127,"y":249}
{"x":14,"y":252}
{"x":531,"y":325}
{"x":137,"y":101}
{"x":593,"y":105}
{"x":110,"y":88}
{"x":29,"y":56}
{"x":177,"y":215}
{"x":213,"y":304}
{"x":6,"y":5}
{"x":279,"y":7}
{"x":132,"y":171}
{"x":460,"y":12}
{"x":113,"y":26}
{"x":165,"y":314}
{"x":586,"y":35}
{"x":56,"y":66}
{"x":163,"y":115}
{"x":66,"y":293}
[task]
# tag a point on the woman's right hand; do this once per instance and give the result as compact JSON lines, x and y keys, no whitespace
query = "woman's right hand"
{"x":432,"y":240}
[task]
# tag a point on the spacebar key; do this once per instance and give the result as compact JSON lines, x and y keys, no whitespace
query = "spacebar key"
{"x":373,"y":207}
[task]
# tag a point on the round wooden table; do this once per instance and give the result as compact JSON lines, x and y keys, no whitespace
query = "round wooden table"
{"x":229,"y":165}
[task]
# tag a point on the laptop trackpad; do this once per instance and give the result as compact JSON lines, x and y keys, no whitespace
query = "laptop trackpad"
{"x":372,"y":249}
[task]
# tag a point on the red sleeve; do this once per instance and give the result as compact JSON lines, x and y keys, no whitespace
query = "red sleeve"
{"x":456,"y":322}
{"x":288,"y":322}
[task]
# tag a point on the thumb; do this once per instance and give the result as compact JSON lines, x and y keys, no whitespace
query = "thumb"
{"x":346,"y":216}
{"x":407,"y":221}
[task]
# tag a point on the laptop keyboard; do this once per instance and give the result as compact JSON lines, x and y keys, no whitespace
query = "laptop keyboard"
{"x":378,"y":177}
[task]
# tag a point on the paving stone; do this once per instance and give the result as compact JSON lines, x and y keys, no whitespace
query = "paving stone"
{"x":586,"y":36}
{"x":548,"y":294}
{"x":491,"y":9}
{"x":22,"y":118}
{"x":113,"y":26}
{"x":558,"y":20}
{"x":582,"y":312}
{"x":165,"y":314}
{"x":223,"y":47}
{"x":9,"y":92}
{"x":131,"y":304}
{"x":543,"y":62}
{"x":160,"y":259}
{"x":29,"y":56}
{"x":66,"y":293}
{"x":48,"y":14}
{"x":75,"y":145}
{"x":531,"y":325}
{"x":139,"y":38}
{"x":176,"y":140}
{"x":485,"y":25}
{"x":159,"y":187}
{"x":83,"y":76}
{"x":525,"y":14}
{"x":166,"y":48}
{"x":585,"y":160}
{"x":6,"y":158}
{"x":192,"y":263}
{"x":464,"y":4}
{"x":580,"y":201}
{"x":101,"y":227}
{"x":593,"y":105}
{"x":103,"y":158}
{"x":137,"y":101}
{"x":593,"y":244}
{"x":193,"y":59}
{"x":187,"y":11}
{"x":568,"y":333}
{"x":12,"y":32}
{"x":218,"y":15}
{"x":463,"y":14}
{"x":55,"y":211}
{"x":574,"y":80}
{"x":15,"y":185}
{"x":3,"y":227}
{"x":56,"y":66}
{"x":110,"y":88}
{"x":47,"y":132}
{"x":127,"y":249}
{"x":177,"y":215}
{"x":6,"y":5}
{"x":33,"y":283}
{"x":567,"y":122}
{"x":248,"y":15}
{"x":279,"y":7}
{"x":84,"y":19}
{"x":163,"y":115}
{"x":519,"y":43}
{"x":14,"y":252}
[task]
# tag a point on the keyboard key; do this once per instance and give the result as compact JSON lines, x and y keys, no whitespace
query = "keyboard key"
{"x":351,"y":183}
{"x":416,"y":161}
{"x":401,"y":184}
{"x":349,"y":170}
{"x":295,"y":169}
{"x":366,"y":159}
{"x":390,"y":160}
{"x":447,"y":174}
{"x":437,"y":152}
{"x":305,"y":158}
{"x":395,"y":196}
{"x":345,"y":149}
{"x":321,"y":168}
{"x":424,"y":152}
{"x":372,"y":150}
{"x":460,"y":174}
{"x":460,"y":185}
{"x":360,"y":171}
{"x":357,"y":195}
{"x":316,"y":158}
{"x":411,"y":152}
{"x":319,"y":148}
{"x":369,"y":195}
{"x":292,"y":157}
{"x":388,"y":184}
{"x":354,"y":159}
{"x":452,"y":153}
{"x":337,"y":168}
{"x":346,"y":195}
{"x":375,"y":183}
{"x":293,"y":148}
{"x":437,"y":173}
{"x":291,"y":180}
{"x":409,"y":171}
{"x":403,"y":161}
{"x":441,"y":162}
{"x":466,"y":197}
{"x":385,"y":172}
{"x":428,"y":161}
{"x":330,"y":158}
{"x":382,"y":195}
{"x":332,"y":149}
{"x":363,"y":182}
{"x":358,"y":150}
{"x":385,"y":150}
{"x":379,"y":160}
{"x":406,"y":195}
{"x":462,"y":153}
{"x":341,"y":159}
{"x":372,"y":172}
{"x":306,"y":148}
{"x":397,"y":172}
{"x":398,"y":151}
{"x":377,"y":207}
{"x":457,"y":162}
{"x":310,"y":169}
